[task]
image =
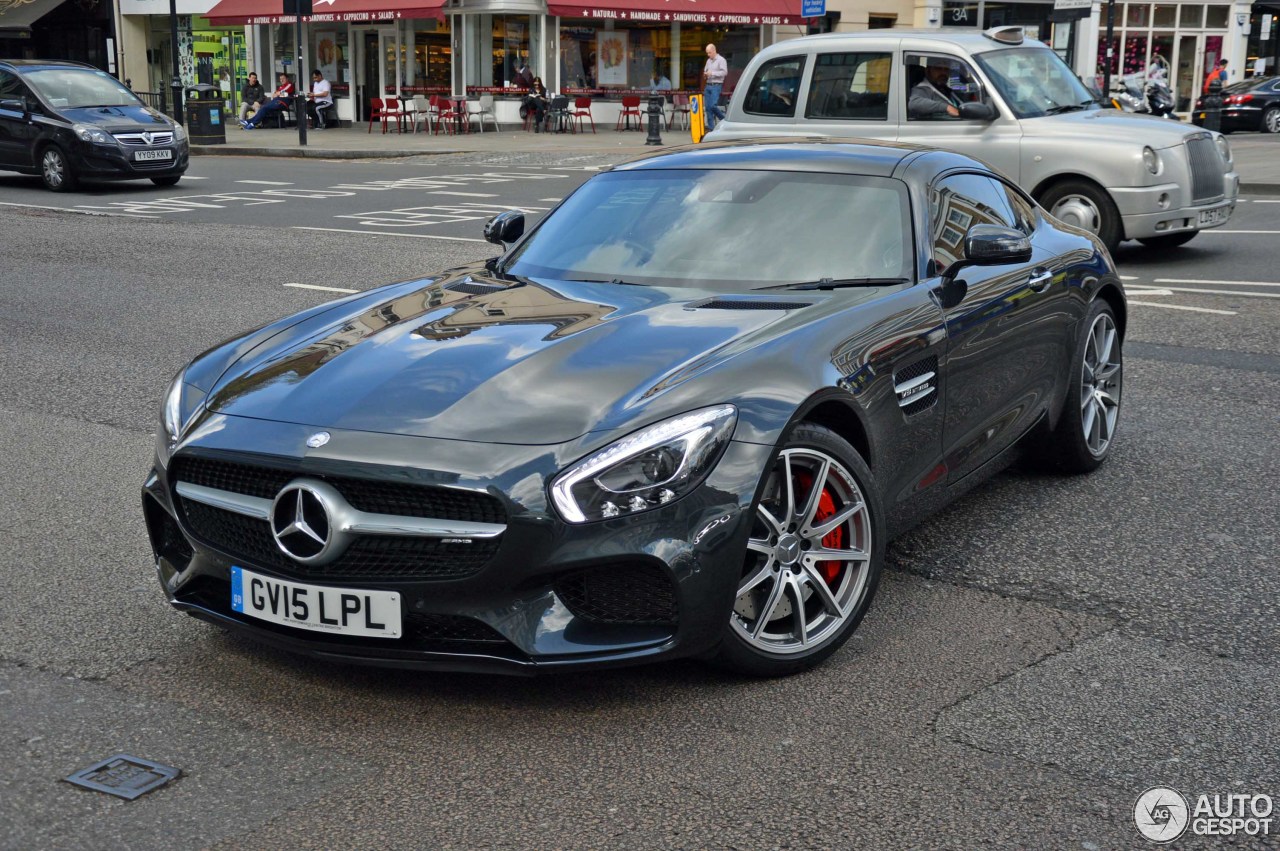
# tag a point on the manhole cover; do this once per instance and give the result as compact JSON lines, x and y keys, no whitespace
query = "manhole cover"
{"x":124,"y":776}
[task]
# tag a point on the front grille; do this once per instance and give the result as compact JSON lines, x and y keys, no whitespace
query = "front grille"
{"x":1207,"y":169}
{"x":450,"y":629}
{"x":375,"y":497}
{"x":620,"y":594}
{"x":381,"y":557}
{"x":137,"y":140}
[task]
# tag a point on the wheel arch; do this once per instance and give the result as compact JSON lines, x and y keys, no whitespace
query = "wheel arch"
{"x":1063,"y":177}
{"x":1111,"y":293}
{"x":833,"y":409}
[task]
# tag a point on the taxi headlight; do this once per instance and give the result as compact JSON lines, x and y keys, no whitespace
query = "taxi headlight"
{"x":1151,"y":160}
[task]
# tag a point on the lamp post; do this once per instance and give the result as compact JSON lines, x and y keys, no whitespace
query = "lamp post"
{"x":1106,"y":68}
{"x":176,"y":85}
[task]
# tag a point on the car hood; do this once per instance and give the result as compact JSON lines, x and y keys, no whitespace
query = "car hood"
{"x":1111,"y":125}
{"x":118,"y":119}
{"x":542,"y":362}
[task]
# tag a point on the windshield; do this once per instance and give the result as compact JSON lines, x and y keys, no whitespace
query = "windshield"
{"x":723,"y":230}
{"x":72,"y":88}
{"x":1034,"y":81}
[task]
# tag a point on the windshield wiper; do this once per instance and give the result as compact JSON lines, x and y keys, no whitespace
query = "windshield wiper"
{"x":1069,"y":107}
{"x":834,"y":284}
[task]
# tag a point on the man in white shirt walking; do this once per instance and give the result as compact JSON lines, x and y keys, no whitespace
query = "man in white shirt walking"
{"x":713,"y":74}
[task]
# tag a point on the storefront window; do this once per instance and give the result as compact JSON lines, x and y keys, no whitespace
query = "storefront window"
{"x":432,"y":55}
{"x":1216,"y":17}
{"x":1135,"y":14}
{"x":330,"y":56}
{"x":1191,"y":16}
{"x":737,"y":44}
{"x":1165,"y":16}
{"x":496,"y":47}
{"x":1135,"y":54}
{"x":593,"y":56}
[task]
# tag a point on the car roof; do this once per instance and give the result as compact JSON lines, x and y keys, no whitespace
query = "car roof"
{"x":834,"y":156}
{"x":36,"y":64}
{"x":970,"y":41}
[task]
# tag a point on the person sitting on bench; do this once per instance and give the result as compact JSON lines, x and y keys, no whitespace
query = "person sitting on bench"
{"x":279,"y":102}
{"x":319,"y":99}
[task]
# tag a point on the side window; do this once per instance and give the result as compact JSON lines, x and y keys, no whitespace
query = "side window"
{"x":9,"y":86}
{"x":937,"y":85}
{"x":850,"y":85}
{"x":957,"y":203}
{"x":773,"y":90}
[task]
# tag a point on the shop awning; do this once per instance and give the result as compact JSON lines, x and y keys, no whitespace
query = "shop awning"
{"x":749,"y":12}
{"x":21,"y":14}
{"x":235,"y":12}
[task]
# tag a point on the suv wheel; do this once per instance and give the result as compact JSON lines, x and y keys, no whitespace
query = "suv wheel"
{"x":55,"y":171}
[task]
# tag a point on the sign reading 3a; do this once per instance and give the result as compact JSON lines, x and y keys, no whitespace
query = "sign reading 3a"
{"x":960,"y":13}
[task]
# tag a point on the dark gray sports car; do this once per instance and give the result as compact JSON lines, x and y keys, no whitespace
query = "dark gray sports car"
{"x":681,"y":417}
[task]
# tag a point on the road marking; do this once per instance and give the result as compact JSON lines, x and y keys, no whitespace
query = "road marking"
{"x":1234,"y":232}
{"x":552,"y":200}
{"x":1145,"y":291}
{"x":464,"y":194}
{"x":265,"y":182}
{"x":393,"y":233}
{"x":1183,"y":307}
{"x":1128,"y":277}
{"x":1204,"y":281}
{"x":317,"y":287}
{"x":1223,"y":292}
{"x":81,"y":212}
{"x":193,"y":177}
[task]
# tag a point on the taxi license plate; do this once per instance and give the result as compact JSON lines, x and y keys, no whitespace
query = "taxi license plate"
{"x":341,"y":611}
{"x":1216,"y":216}
{"x":143,"y":156}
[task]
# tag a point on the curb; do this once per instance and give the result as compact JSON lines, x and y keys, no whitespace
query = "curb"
{"x":318,"y":153}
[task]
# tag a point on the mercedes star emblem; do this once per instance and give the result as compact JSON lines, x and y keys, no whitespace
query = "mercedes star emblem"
{"x":300,"y":523}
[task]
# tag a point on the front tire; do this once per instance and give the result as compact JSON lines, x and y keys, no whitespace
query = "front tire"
{"x":55,"y":170}
{"x":1173,"y":240}
{"x":1087,"y":206}
{"x":1086,"y":429}
{"x":813,"y":560}
{"x":171,"y":180}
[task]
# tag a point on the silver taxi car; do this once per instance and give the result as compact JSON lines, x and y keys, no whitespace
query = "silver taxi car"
{"x":1014,"y":104}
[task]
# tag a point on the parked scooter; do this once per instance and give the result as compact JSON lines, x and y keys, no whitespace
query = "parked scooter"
{"x":1159,"y":99}
{"x":1127,"y":97}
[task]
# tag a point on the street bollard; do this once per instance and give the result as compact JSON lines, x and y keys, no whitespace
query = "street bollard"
{"x":1213,"y":107}
{"x":656,"y":103}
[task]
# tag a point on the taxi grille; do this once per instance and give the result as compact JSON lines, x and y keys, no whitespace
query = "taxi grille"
{"x":1207,"y":169}
{"x":249,"y":540}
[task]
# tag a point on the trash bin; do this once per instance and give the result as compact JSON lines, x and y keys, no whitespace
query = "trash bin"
{"x":204,"y":115}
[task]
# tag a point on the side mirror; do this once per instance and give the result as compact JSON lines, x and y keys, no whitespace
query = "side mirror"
{"x":505,"y":228}
{"x":993,"y":245}
{"x":978,"y":111}
{"x":19,"y":105}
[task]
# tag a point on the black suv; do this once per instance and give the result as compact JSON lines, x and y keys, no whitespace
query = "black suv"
{"x":64,"y":121}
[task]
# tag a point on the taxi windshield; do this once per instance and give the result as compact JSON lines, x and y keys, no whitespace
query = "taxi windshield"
{"x":1034,"y":81}
{"x":74,"y":88}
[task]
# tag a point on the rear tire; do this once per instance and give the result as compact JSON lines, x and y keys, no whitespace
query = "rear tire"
{"x":171,"y":180}
{"x":1086,"y":428}
{"x":794,"y":609}
{"x":55,"y":170}
{"x":1085,"y":205}
{"x":1173,"y":240}
{"x":1271,"y":120}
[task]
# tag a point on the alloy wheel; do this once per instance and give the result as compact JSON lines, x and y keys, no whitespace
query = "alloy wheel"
{"x":1100,"y":385}
{"x":1272,"y":120}
{"x":55,"y":168}
{"x":1079,"y":211}
{"x":808,"y":557}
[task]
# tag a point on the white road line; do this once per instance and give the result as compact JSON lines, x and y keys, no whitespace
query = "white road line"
{"x":81,"y":212}
{"x":1144,"y":291}
{"x":393,"y":233}
{"x":1234,"y":232}
{"x":1207,"y":281}
{"x":326,"y":289}
{"x":1262,"y":200}
{"x":464,"y":194}
{"x":554,"y":200}
{"x":193,"y":177}
{"x":265,"y":182}
{"x":1128,"y":277}
{"x":1183,"y":307}
{"x":1223,"y":292}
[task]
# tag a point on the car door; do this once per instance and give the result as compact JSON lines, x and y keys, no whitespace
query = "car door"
{"x":848,"y":94}
{"x":1006,"y":337}
{"x":16,"y":131}
{"x":996,"y":142}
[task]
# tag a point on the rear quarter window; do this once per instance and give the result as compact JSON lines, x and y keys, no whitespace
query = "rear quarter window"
{"x":775,"y":87}
{"x":850,"y":86}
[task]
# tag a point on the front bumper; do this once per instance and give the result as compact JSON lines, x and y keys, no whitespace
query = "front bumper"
{"x":114,"y":162}
{"x":525,"y":610}
{"x":1141,"y":208}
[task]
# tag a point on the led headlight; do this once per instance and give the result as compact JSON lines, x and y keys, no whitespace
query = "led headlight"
{"x":1224,"y":148}
{"x":646,"y":469}
{"x":181,"y":401}
{"x":92,"y":134}
{"x":1151,"y":159}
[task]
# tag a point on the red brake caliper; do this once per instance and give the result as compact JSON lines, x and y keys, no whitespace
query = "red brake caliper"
{"x":834,"y":539}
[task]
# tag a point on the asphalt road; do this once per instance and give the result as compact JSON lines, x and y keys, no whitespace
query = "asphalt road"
{"x":1040,"y":653}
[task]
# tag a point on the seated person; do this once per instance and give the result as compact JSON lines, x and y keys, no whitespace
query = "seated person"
{"x":659,"y":82}
{"x":252,"y":97}
{"x":932,"y":97}
{"x":279,"y":101}
{"x":536,"y":102}
{"x":319,"y":99}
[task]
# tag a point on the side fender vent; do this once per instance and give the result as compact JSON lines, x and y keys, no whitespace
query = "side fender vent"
{"x":916,"y":386}
{"x":473,"y":288}
{"x":717,"y":303}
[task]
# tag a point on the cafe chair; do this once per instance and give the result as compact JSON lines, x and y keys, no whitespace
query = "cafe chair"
{"x":630,"y":107}
{"x":679,"y":111}
{"x":582,"y":109}
{"x":558,"y":113}
{"x":481,"y":108}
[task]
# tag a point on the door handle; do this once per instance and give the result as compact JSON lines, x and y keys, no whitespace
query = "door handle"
{"x":1040,"y":279}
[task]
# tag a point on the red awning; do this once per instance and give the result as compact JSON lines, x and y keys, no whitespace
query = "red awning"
{"x":686,"y":11}
{"x":235,"y":12}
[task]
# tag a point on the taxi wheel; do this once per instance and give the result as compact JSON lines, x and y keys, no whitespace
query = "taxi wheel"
{"x":1173,"y":240}
{"x":1085,"y":205}
{"x":171,"y":180}
{"x":56,"y":171}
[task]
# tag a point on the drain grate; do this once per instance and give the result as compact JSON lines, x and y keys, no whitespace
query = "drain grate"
{"x":124,"y":776}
